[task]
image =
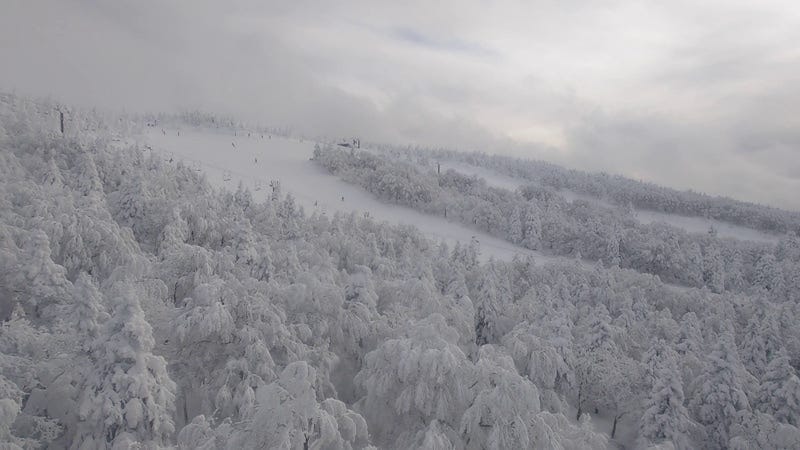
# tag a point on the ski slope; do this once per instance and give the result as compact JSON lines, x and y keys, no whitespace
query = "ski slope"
{"x":686,"y":223}
{"x":227,"y":159}
{"x":491,"y":177}
{"x":702,"y":225}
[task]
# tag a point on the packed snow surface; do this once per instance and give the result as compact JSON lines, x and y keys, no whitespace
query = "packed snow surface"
{"x":227,"y":159}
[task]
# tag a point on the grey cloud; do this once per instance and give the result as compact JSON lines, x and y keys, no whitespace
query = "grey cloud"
{"x":416,"y":37}
{"x":683,"y":155}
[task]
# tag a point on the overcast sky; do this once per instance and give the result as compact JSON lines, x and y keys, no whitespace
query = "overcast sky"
{"x":689,"y":94}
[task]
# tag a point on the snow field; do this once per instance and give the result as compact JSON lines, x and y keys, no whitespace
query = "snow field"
{"x":255,"y":161}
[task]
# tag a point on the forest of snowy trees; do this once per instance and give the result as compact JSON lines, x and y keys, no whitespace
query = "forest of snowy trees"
{"x":142,"y":308}
{"x":538,"y":218}
{"x":618,"y":189}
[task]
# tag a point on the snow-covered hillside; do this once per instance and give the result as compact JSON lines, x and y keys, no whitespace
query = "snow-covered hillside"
{"x":257,"y":160}
{"x":142,"y":306}
{"x":689,"y":224}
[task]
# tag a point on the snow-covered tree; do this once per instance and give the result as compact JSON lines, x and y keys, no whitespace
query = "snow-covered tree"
{"x":761,"y":342}
{"x":52,"y":175}
{"x":88,"y":179}
{"x":515,"y":225}
{"x":694,"y":265}
{"x":597,"y":358}
{"x":665,"y":418}
{"x":720,"y":395}
{"x":532,"y":228}
{"x":492,"y":299}
{"x":505,"y":411}
{"x":86,"y":312}
{"x":128,"y":396}
{"x":547,"y":361}
{"x":287,"y":415}
{"x":412,"y":381}
{"x":767,"y":273}
{"x":714,"y":269}
{"x":200,"y":434}
{"x":10,"y":400}
{"x":503,"y":405}
{"x":779,"y":394}
{"x":42,"y":282}
{"x":759,"y":430}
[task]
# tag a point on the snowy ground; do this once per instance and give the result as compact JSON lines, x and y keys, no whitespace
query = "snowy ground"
{"x":689,"y":224}
{"x":702,"y":225}
{"x":227,"y":159}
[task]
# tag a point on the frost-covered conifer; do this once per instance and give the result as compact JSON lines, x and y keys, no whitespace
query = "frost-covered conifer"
{"x":10,"y":400}
{"x":128,"y":396}
{"x":694,"y":265}
{"x":714,"y":269}
{"x":52,"y":175}
{"x":767,"y":273}
{"x":87,"y":180}
{"x":779,"y":394}
{"x":86,"y":312}
{"x":720,"y":394}
{"x":493,"y":297}
{"x":515,"y":225}
{"x":665,"y":418}
{"x":758,"y":430}
{"x":43,"y":281}
{"x":761,"y":342}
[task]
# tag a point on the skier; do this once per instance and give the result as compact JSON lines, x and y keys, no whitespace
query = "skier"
{"x":343,"y":198}
{"x":255,"y":160}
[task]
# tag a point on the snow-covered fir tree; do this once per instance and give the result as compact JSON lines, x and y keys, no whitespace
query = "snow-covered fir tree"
{"x":665,"y":418}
